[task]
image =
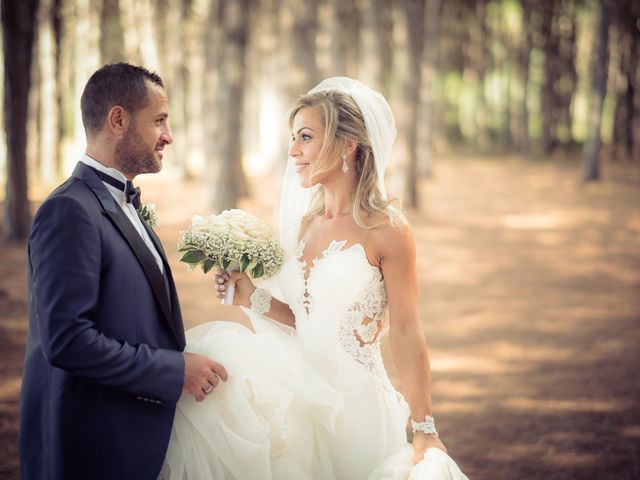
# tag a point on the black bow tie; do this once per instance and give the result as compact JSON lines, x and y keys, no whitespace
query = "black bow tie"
{"x":131,"y":193}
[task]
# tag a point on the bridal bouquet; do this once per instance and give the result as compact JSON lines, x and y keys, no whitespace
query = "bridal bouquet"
{"x":232,"y":240}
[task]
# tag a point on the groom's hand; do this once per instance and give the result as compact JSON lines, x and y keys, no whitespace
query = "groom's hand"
{"x":201,"y":375}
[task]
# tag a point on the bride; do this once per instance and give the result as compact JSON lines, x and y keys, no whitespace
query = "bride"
{"x":308,"y":396}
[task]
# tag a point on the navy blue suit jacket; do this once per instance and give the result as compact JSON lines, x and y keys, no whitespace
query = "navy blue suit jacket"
{"x":103,"y":368}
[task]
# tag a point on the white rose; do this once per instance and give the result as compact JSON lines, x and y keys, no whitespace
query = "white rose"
{"x":198,"y":223}
{"x":237,"y":234}
{"x":216,"y":225}
{"x":250,"y":224}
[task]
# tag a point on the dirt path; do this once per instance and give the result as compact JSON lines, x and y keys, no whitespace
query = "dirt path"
{"x":530,"y":290}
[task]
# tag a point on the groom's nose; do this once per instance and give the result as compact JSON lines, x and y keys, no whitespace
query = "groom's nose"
{"x":166,"y":136}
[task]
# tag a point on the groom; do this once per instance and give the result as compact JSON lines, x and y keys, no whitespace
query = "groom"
{"x":104,"y":366}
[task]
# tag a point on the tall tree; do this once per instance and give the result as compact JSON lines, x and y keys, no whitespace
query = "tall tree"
{"x":376,"y":44}
{"x":18,"y":30}
{"x":600,"y":68}
{"x":523,"y":63}
{"x":170,"y":35}
{"x":63,"y":85}
{"x":410,"y":80}
{"x":428,"y":84}
{"x":44,"y":80}
{"x":565,"y":88}
{"x":111,"y":33}
{"x":230,"y":180}
{"x":626,"y":121}
{"x":299,"y":27}
{"x":194,"y":82}
{"x":550,"y":47}
{"x":502,"y":60}
{"x":454,"y":63}
{"x":476,"y":66}
{"x":343,"y":38}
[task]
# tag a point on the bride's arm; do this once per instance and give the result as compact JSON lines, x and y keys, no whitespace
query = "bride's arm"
{"x":397,"y":253}
{"x":278,"y":311}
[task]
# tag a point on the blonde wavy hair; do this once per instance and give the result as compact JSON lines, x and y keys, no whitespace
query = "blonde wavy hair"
{"x":343,"y":121}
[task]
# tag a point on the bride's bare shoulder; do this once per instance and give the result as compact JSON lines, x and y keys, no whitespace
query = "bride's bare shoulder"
{"x":392,"y":238}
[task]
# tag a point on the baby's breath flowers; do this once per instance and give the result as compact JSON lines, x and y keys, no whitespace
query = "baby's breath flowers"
{"x":148,"y":213}
{"x":233,"y":239}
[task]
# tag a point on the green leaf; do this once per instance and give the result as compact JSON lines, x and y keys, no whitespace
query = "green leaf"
{"x":257,"y":271}
{"x":193,"y":256}
{"x":244,"y":263}
{"x":225,"y":263}
{"x":207,"y":265}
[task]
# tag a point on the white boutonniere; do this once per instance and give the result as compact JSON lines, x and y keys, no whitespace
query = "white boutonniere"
{"x":148,"y":213}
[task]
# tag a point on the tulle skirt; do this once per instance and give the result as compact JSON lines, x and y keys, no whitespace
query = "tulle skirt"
{"x":277,"y":418}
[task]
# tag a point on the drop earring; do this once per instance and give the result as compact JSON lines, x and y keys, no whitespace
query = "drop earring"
{"x":345,"y":167}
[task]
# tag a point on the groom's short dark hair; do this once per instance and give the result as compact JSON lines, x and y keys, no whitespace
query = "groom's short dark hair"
{"x":114,"y":84}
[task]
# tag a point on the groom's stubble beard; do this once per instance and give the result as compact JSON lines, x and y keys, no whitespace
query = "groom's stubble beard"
{"x":133,"y":156}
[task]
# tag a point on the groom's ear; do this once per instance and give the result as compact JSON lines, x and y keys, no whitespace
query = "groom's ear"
{"x":118,"y":120}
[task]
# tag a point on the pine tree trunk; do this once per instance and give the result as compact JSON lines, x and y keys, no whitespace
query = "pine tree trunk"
{"x":521,"y":125}
{"x":46,"y":132}
{"x":170,"y":25}
{"x":476,"y":60}
{"x":343,"y":31}
{"x":376,"y":41}
{"x":634,"y":82}
{"x":455,"y":58}
{"x":230,"y":181}
{"x":432,"y":20}
{"x":502,"y":64}
{"x":548,"y":94}
{"x":410,"y":80}
{"x":299,"y":27}
{"x":111,"y":33}
{"x":567,"y":54}
{"x":18,"y":30}
{"x":623,"y":128}
{"x":600,"y":67}
{"x":195,"y":81}
{"x":62,"y":82}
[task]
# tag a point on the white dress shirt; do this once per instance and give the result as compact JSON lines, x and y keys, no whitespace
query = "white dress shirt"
{"x":128,"y":209}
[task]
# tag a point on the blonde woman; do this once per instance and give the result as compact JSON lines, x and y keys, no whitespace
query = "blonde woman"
{"x":350,"y":276}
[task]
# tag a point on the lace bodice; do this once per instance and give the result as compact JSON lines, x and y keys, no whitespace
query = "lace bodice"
{"x":339,"y":301}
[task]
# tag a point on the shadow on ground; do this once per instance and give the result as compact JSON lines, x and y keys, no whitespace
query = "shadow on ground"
{"x":530,"y":296}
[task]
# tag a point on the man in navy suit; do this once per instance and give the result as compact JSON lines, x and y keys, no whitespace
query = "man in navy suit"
{"x":104,"y":365}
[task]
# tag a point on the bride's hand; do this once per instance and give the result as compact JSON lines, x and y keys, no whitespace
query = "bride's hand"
{"x":244,"y":286}
{"x":422,"y":442}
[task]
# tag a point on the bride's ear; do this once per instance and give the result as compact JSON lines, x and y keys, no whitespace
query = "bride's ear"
{"x":350,"y":146}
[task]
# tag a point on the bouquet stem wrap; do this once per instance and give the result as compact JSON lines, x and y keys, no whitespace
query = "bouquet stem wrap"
{"x":228,"y":297}
{"x":231,"y":289}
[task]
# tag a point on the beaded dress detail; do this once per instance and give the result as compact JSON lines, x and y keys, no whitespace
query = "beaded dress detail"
{"x":356,"y":301}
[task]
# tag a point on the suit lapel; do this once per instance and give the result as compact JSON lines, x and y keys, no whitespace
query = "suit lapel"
{"x":141,"y":251}
{"x":147,"y":261}
{"x":154,"y":238}
{"x":175,"y":307}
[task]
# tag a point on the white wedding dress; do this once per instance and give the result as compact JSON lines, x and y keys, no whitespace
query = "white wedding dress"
{"x":311,"y":403}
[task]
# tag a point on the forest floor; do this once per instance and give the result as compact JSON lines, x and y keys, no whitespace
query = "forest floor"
{"x":530,"y":297}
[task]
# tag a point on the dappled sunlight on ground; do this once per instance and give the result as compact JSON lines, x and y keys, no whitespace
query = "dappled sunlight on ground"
{"x":529,"y":287}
